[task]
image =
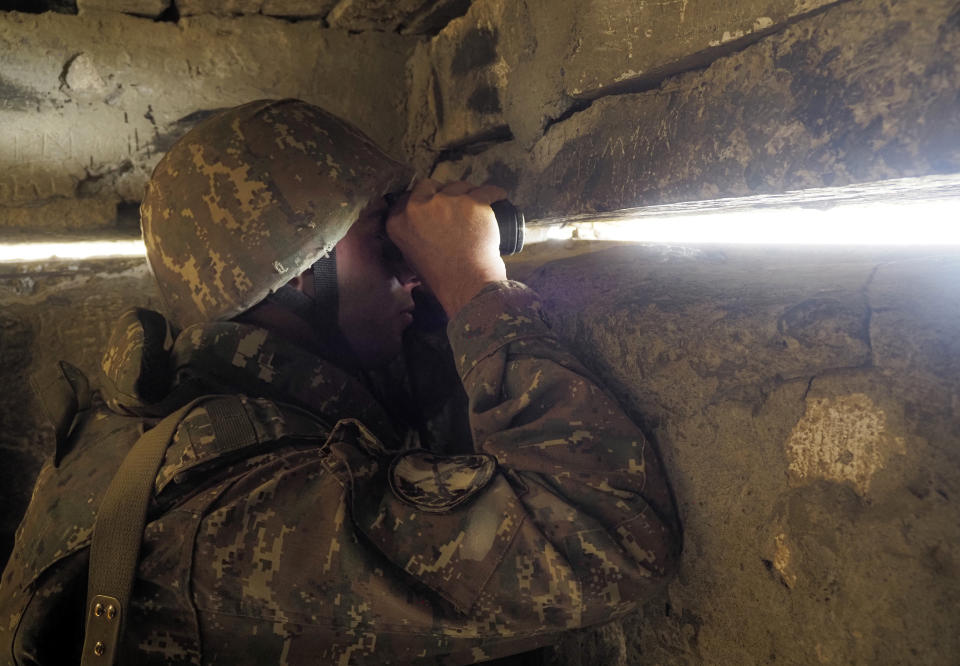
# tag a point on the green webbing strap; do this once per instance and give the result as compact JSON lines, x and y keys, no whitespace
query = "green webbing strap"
{"x":117,"y":534}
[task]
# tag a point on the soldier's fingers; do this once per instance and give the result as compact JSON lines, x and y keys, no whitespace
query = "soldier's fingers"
{"x":487,"y":194}
{"x":397,"y":204}
{"x":456,"y":188}
{"x":425,"y":189}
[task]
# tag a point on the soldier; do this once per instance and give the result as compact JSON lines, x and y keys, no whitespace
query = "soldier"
{"x":296,"y":513}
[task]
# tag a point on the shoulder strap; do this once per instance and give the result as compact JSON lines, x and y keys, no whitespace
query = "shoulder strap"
{"x":117,"y":534}
{"x":121,"y":518}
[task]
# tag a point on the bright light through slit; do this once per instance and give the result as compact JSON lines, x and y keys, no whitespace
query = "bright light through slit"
{"x":931,"y":223}
{"x":78,"y":250}
{"x":909,"y":211}
{"x":918,"y":211}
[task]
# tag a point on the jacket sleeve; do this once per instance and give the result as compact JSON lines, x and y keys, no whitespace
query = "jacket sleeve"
{"x":562,"y":519}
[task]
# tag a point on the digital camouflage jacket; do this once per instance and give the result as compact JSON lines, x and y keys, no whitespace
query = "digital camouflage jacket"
{"x":322,"y":537}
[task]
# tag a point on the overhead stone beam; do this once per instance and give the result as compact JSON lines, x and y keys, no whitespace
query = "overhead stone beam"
{"x":516,"y":66}
{"x":865,"y":91}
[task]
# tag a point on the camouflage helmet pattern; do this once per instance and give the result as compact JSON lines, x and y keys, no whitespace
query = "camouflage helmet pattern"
{"x":250,"y":198}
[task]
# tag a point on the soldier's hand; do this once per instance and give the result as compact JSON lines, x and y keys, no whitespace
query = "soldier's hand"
{"x":449,"y":236}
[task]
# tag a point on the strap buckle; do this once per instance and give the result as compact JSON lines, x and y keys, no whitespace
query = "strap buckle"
{"x":100,"y":645}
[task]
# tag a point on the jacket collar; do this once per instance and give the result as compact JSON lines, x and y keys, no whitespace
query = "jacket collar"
{"x":230,"y":357}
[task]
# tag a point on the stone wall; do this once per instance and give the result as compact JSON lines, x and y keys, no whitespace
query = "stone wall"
{"x":807,"y":405}
{"x":835,"y":93}
{"x":90,"y":102}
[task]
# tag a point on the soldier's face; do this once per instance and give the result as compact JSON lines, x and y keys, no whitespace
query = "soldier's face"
{"x":374,"y":288}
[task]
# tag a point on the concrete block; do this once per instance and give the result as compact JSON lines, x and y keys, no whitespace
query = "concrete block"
{"x":148,"y":8}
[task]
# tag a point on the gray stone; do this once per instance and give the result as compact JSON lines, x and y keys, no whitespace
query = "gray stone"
{"x":149,"y":8}
{"x":94,"y":120}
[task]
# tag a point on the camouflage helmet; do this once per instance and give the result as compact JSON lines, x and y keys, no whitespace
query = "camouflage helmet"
{"x":250,"y":198}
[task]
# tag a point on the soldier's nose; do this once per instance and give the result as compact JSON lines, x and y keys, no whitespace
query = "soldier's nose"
{"x":407,"y":277}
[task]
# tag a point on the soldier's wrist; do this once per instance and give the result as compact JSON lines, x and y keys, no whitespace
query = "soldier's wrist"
{"x":460,"y":292}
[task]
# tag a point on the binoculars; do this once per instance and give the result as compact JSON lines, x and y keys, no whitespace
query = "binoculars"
{"x":511,"y":222}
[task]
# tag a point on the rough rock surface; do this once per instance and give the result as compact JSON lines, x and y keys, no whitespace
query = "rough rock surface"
{"x":389,"y":15}
{"x":291,"y":8}
{"x":622,"y":43}
{"x":864,"y":91}
{"x":88,"y":104}
{"x":807,"y":406}
{"x":434,"y":17}
{"x":48,"y":312}
{"x":522,"y":64}
{"x":411,"y":17}
{"x":151,"y":8}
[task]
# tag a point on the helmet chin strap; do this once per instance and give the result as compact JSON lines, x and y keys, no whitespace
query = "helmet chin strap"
{"x":297,"y":302}
{"x":320,"y":311}
{"x":325,"y":283}
{"x":322,"y":307}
